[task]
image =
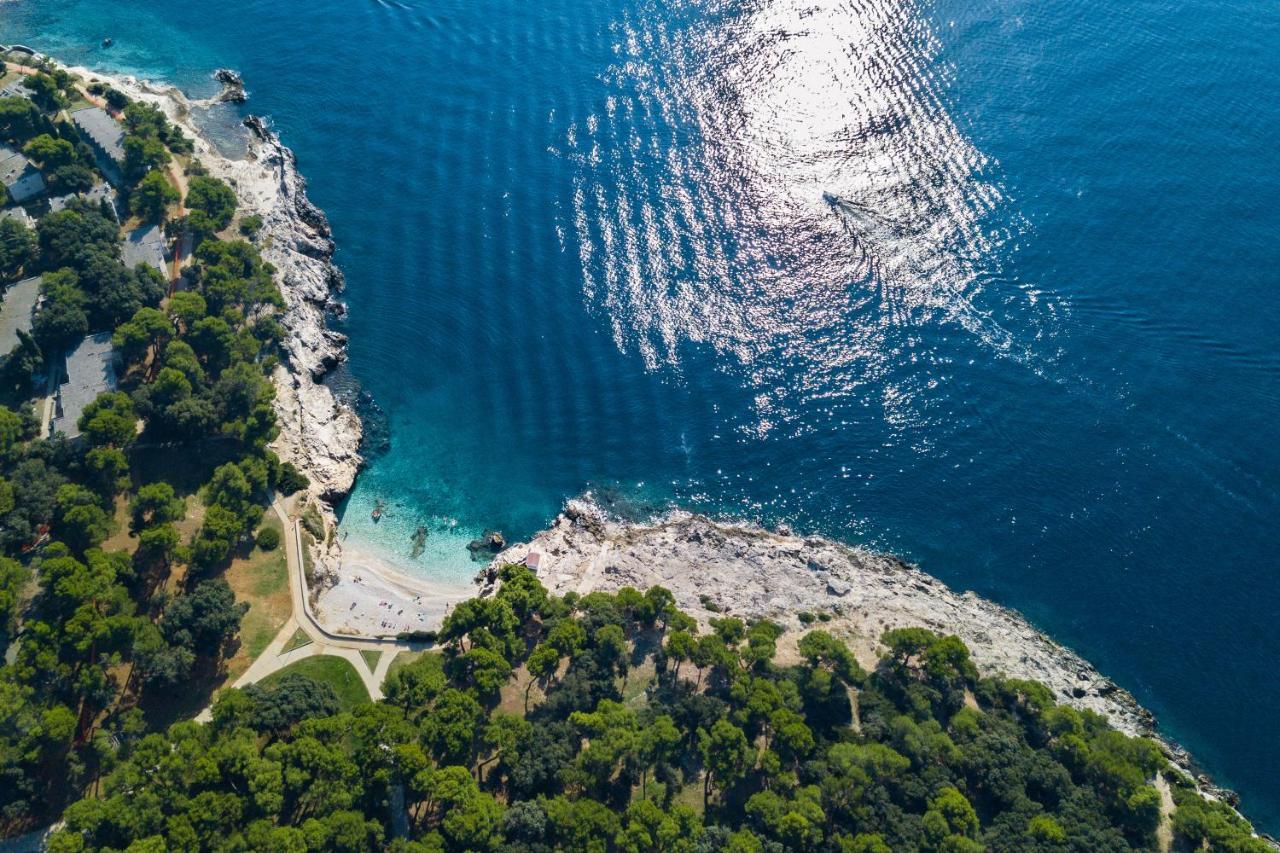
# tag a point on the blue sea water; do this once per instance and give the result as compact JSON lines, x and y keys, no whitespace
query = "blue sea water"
{"x":988,"y":284}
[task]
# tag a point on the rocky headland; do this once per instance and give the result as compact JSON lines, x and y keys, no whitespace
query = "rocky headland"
{"x":715,"y":568}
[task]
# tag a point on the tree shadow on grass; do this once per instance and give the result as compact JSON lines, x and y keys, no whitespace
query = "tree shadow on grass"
{"x":185,"y":467}
{"x":164,"y":706}
{"x":645,"y":643}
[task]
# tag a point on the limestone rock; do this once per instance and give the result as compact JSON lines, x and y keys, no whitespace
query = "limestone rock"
{"x":232,"y":86}
{"x":756,"y":573}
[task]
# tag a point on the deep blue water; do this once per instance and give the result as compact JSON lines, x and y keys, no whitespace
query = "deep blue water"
{"x":1035,"y":350}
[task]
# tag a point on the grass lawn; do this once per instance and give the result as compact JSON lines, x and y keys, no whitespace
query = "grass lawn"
{"x":403,"y":659}
{"x":638,"y":680}
{"x":511,"y":696}
{"x":371,"y":658}
{"x":334,"y":671}
{"x":297,"y":641}
{"x":260,"y":578}
{"x":691,"y":796}
{"x":120,"y":538}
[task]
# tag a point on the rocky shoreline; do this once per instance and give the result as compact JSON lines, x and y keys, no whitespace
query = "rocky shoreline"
{"x":319,"y":432}
{"x":715,"y":568}
{"x":711,"y":567}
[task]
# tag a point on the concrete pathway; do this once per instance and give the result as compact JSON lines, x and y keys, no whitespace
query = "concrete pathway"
{"x":323,"y":642}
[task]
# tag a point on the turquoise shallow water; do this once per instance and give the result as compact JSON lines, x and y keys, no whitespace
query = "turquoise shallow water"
{"x":1031,"y":344}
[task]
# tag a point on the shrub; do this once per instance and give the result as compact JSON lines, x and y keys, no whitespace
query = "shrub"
{"x":268,"y":539}
{"x":116,"y":99}
{"x":289,"y":479}
{"x":250,"y":225}
{"x":425,"y":636}
{"x":805,"y":617}
{"x":313,"y":523}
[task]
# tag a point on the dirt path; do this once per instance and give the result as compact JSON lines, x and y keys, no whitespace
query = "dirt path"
{"x":1164,"y":832}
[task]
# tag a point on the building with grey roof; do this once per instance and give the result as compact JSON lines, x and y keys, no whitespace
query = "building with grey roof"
{"x":23,"y":180}
{"x":146,"y":245}
{"x":91,"y":370}
{"x":101,"y":192}
{"x":18,"y":312}
{"x":58,"y":203}
{"x":105,"y":136}
{"x":20,"y":214}
{"x":104,"y":192}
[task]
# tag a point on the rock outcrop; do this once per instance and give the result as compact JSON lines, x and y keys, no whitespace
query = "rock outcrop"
{"x":744,"y":570}
{"x":749,"y":572}
{"x":232,"y":86}
{"x":319,"y":433}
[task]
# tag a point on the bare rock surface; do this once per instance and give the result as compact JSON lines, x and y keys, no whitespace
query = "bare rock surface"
{"x":319,"y":433}
{"x":746,"y":571}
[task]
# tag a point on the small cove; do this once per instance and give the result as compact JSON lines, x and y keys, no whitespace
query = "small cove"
{"x":587,"y":246}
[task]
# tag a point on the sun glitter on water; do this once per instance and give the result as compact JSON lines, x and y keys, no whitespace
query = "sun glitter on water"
{"x":786,"y":185}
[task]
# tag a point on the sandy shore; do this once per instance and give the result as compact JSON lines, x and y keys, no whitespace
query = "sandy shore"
{"x":372,"y":599}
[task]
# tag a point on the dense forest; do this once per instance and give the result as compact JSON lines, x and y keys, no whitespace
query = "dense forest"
{"x":608,"y":722}
{"x":90,"y":635}
{"x":535,"y":723}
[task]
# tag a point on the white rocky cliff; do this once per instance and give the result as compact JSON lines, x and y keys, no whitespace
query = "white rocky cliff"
{"x":319,"y":433}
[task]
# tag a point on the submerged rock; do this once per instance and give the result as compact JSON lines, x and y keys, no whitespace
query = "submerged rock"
{"x":419,"y":542}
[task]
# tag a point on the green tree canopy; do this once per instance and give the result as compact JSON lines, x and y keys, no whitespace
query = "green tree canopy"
{"x":152,"y":197}
{"x":110,"y":420}
{"x":17,"y":248}
{"x":212,"y":205}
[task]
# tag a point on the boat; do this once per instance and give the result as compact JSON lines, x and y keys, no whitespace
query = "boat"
{"x":377,"y":511}
{"x":861,"y":219}
{"x":847,"y":205}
